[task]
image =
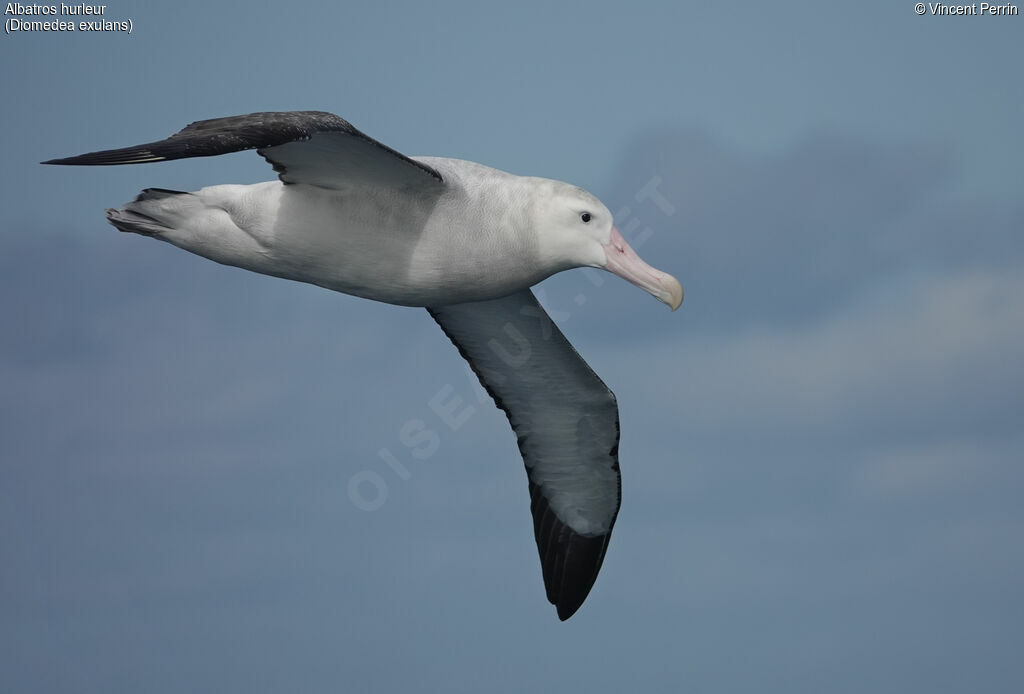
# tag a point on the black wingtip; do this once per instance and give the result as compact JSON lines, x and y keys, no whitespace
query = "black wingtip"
{"x":566,"y":611}
{"x":110,"y":157}
{"x":583,"y":557}
{"x":570,"y":561}
{"x":78,"y":160}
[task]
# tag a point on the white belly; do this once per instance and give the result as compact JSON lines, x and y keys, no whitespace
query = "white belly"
{"x":380,"y":245}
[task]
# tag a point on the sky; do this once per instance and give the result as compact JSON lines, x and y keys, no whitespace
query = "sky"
{"x":821,"y":450}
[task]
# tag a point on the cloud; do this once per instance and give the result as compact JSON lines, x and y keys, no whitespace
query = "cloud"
{"x":901,"y":358}
{"x":789,"y":236}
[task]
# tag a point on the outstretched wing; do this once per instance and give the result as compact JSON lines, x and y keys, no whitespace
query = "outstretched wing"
{"x":567,"y":424}
{"x":310,"y":147}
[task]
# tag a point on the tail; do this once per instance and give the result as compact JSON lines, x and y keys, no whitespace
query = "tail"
{"x":142,"y":215}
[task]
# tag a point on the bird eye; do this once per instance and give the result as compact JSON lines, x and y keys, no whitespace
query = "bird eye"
{"x":585,"y":217}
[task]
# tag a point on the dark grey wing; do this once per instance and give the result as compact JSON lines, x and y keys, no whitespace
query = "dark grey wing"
{"x":567,"y":424}
{"x":311,"y":147}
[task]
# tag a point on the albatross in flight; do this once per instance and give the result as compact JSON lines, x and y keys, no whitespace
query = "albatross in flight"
{"x":461,"y":239}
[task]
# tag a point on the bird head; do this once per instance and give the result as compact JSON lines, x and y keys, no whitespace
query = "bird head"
{"x":577,"y":230}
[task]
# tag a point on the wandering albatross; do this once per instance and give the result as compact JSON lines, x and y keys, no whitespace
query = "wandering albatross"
{"x":461,"y":239}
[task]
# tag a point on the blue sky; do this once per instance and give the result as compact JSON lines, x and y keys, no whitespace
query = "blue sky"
{"x":821,"y":450}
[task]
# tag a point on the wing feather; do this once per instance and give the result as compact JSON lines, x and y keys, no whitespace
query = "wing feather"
{"x":312,"y":147}
{"x":567,"y":425}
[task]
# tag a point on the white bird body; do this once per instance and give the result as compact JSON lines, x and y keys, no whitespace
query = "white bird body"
{"x":473,"y":240}
{"x":463,"y":240}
